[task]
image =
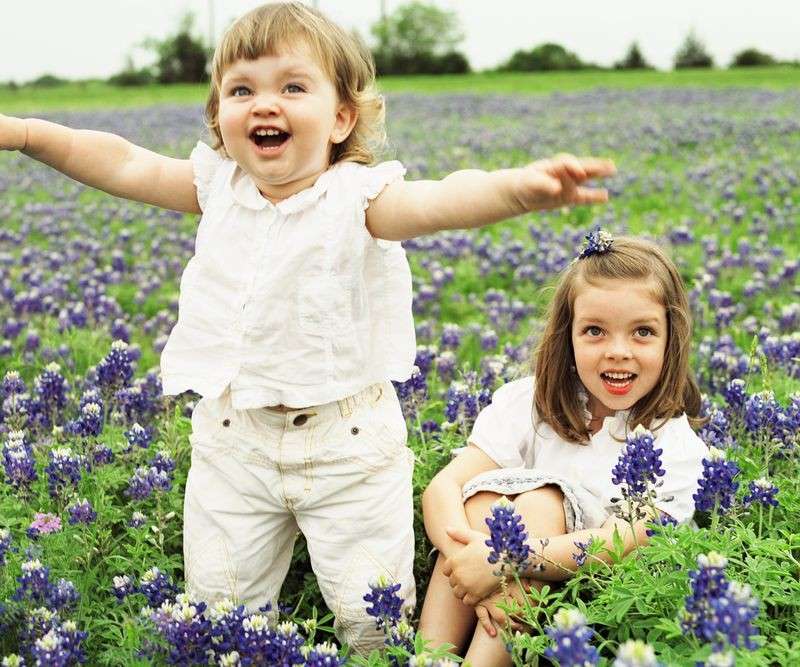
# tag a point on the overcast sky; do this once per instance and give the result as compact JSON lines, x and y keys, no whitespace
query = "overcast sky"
{"x":91,"y":38}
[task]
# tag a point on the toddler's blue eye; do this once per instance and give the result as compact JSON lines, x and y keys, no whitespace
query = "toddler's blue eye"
{"x":293,"y":88}
{"x":593,"y":331}
{"x":648,"y":332}
{"x":235,"y":91}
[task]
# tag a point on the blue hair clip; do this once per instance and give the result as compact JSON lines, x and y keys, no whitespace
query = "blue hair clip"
{"x":597,"y":242}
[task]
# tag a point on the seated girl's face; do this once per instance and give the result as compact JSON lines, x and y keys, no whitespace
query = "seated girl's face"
{"x":619,"y":335}
{"x":279,"y":116}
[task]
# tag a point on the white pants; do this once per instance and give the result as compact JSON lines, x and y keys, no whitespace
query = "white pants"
{"x":339,"y":472}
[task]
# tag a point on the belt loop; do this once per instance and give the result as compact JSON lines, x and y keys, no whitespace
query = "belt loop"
{"x":344,"y":408}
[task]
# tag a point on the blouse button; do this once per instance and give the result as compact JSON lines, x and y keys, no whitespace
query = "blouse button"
{"x":226,"y":422}
{"x":300,"y":420}
{"x":354,"y":430}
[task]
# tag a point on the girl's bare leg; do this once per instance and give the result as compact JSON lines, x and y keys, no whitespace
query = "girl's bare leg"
{"x":444,"y":618}
{"x":542,"y":514}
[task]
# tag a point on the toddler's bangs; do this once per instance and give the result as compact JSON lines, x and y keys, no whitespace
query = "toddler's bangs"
{"x":270,"y":31}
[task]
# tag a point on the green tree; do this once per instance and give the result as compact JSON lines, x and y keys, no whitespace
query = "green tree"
{"x":752,"y":58}
{"x":692,"y":53}
{"x":181,"y":57}
{"x":633,"y":59}
{"x":544,"y":57}
{"x":418,"y":38}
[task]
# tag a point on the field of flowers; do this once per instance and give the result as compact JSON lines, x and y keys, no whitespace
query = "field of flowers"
{"x":93,"y":458}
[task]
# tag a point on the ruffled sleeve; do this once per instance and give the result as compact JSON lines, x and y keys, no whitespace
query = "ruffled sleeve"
{"x":205,"y":162}
{"x":375,"y":179}
{"x":502,"y":429}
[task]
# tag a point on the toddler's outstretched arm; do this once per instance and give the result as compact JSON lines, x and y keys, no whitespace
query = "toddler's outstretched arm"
{"x":474,"y":198}
{"x":104,"y":161}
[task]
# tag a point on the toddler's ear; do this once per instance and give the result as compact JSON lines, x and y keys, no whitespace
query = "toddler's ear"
{"x":346,"y":117}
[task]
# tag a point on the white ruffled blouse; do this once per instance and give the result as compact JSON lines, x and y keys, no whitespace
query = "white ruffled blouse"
{"x":293,"y":303}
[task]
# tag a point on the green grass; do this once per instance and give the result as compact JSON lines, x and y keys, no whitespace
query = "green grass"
{"x":96,"y":94}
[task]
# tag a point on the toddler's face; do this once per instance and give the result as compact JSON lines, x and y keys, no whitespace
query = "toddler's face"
{"x":619,"y":335}
{"x":279,"y":116}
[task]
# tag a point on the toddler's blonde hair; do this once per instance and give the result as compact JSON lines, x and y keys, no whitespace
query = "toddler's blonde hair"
{"x":343,"y":57}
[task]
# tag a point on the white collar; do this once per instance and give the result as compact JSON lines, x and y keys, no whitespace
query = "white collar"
{"x":620,"y":417}
{"x":244,"y":191}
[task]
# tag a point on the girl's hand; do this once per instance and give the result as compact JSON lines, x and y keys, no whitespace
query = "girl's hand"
{"x":472,"y":576}
{"x":558,"y":181}
{"x":13,"y":133}
{"x":492,"y":617}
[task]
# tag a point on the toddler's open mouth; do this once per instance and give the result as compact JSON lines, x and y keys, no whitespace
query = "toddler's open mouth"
{"x":269,"y":138}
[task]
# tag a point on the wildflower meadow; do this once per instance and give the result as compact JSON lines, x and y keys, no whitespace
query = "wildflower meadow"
{"x":93,"y":458}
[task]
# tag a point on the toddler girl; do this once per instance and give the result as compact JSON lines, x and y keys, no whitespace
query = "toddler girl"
{"x":295,"y":311}
{"x":614,"y":354}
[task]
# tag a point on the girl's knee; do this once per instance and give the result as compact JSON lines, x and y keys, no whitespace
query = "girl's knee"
{"x":546,"y":505}
{"x":478,"y":507}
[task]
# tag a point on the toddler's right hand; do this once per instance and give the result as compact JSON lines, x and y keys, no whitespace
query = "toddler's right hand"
{"x":13,"y":133}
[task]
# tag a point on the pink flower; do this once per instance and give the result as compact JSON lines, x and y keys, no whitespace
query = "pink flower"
{"x":46,"y":522}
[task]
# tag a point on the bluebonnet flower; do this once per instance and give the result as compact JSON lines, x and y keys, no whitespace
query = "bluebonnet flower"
{"x":761,"y":491}
{"x":35,"y":586}
{"x":145,"y":480}
{"x":13,"y":384}
{"x":597,"y":242}
{"x":51,"y":389}
{"x":157,"y":587}
{"x":227,"y":621}
{"x":60,"y":646}
{"x":412,"y":393}
{"x":639,"y":466}
{"x":715,"y":432}
{"x":162,"y":462}
{"x":140,"y":401}
{"x":507,"y":537}
{"x":716,"y":486}
{"x":186,"y":630}
{"x":446,"y":365}
{"x":102,"y":455}
{"x":13,"y":660}
{"x":635,"y":653}
{"x":90,"y":421}
{"x":63,"y":470}
{"x":385,"y":605}
{"x":13,"y":327}
{"x":583,"y":551}
{"x":116,"y":369}
{"x":137,"y":520}
{"x":571,"y":640}
{"x":426,"y":355}
{"x":489,"y":340}
{"x":718,"y":611}
{"x":5,"y":544}
{"x":451,"y":336}
{"x":123,"y":587}
{"x":19,"y":466}
{"x":120,"y":331}
{"x":324,"y":655}
{"x":81,"y":512}
{"x":138,"y":436}
{"x":760,"y":411}
{"x":400,"y":635}
{"x":32,"y":341}
{"x":735,"y":394}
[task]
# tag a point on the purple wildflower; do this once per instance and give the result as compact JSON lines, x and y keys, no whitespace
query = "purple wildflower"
{"x":324,"y":655}
{"x":5,"y":544}
{"x":63,"y":470}
{"x":385,"y":604}
{"x":81,"y":512}
{"x":761,"y":491}
{"x":157,"y":587}
{"x":507,"y":537}
{"x":571,"y":640}
{"x":123,"y":587}
{"x":116,"y":369}
{"x":716,"y":487}
{"x":18,"y":462}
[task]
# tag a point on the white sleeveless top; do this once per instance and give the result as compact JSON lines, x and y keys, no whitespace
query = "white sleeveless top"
{"x":292,"y":303}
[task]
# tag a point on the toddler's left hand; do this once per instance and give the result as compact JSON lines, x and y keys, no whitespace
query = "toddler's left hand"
{"x":558,"y":181}
{"x":472,"y":576}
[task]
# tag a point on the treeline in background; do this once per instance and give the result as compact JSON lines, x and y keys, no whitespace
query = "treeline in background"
{"x":416,"y":38}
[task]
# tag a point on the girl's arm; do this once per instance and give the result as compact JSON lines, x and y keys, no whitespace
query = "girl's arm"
{"x":469,"y":569}
{"x":104,"y":161}
{"x":441,"y":501}
{"x":474,"y":198}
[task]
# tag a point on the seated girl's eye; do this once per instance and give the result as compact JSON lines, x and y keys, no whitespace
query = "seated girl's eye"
{"x":593,"y":331}
{"x":240,"y":91}
{"x":293,"y":88}
{"x":645,"y":332}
